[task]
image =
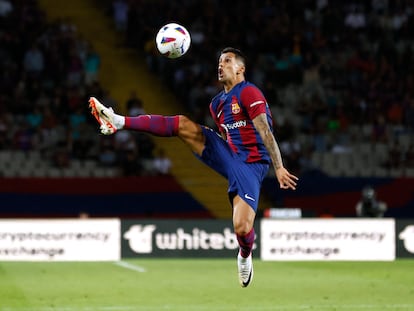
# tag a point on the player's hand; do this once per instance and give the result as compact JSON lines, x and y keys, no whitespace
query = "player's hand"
{"x":286,"y":179}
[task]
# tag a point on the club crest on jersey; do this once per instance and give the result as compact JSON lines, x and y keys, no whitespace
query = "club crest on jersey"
{"x":235,"y":108}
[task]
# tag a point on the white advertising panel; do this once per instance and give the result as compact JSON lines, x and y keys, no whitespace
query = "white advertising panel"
{"x":60,"y":240}
{"x":328,"y":239}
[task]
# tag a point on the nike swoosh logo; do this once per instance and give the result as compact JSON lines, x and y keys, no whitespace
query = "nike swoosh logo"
{"x":248,"y":280}
{"x":248,"y":197}
{"x":103,"y":113}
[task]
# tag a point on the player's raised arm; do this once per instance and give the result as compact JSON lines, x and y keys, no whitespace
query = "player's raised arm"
{"x":285,"y":179}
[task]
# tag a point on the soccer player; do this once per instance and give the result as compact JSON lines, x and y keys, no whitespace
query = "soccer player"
{"x":242,"y":152}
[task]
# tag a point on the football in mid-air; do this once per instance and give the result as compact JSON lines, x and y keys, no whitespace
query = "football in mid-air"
{"x":173,"y":40}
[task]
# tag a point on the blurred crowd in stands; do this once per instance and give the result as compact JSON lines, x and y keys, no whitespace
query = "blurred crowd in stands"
{"x":48,"y":71}
{"x":337,"y":74}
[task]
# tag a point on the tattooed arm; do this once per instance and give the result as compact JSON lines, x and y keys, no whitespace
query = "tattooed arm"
{"x":286,"y":180}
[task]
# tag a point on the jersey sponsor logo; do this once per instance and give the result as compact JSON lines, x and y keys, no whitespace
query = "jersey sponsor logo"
{"x":235,"y":125}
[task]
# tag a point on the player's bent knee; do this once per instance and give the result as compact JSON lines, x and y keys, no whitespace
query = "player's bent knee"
{"x":188,"y":128}
{"x":242,"y":228}
{"x":191,"y":133}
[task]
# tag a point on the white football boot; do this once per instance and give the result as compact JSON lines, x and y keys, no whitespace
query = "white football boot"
{"x":104,"y":115}
{"x":245,"y":266}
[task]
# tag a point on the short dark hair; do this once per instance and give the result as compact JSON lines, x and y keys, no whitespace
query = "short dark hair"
{"x":239,"y":54}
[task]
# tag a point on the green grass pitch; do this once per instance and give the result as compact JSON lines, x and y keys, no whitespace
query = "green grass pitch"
{"x":206,"y":284}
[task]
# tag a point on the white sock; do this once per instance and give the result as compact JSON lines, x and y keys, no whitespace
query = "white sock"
{"x":241,"y":259}
{"x":119,"y":121}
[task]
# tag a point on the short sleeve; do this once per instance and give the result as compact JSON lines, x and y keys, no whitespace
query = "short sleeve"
{"x":253,"y":101}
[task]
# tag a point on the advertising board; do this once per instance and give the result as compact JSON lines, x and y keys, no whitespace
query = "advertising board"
{"x":60,"y":240}
{"x":328,"y":239}
{"x":179,"y":238}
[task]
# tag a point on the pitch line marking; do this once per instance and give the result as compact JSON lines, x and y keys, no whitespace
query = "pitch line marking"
{"x":129,"y":266}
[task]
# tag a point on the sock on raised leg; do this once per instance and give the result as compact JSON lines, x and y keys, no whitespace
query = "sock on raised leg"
{"x":158,"y":125}
{"x":119,"y":121}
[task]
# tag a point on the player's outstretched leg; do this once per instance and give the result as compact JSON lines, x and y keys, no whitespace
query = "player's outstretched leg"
{"x":110,"y":122}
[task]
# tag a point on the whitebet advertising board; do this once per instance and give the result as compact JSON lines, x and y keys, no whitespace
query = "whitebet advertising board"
{"x":180,"y":238}
{"x":328,"y":239}
{"x":60,"y":240}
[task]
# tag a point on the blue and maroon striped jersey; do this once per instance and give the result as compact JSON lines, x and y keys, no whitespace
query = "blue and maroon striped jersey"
{"x":233,"y":113}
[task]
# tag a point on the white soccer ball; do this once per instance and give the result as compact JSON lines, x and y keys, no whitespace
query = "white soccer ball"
{"x":173,"y":40}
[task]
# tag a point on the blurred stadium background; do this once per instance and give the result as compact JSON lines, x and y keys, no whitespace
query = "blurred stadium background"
{"x":338,"y":76}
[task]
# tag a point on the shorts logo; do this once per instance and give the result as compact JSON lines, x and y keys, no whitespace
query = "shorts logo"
{"x":248,"y":197}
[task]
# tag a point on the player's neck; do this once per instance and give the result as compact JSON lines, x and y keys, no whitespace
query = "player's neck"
{"x":229,"y":85}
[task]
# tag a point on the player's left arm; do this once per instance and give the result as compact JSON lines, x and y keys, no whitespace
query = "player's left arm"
{"x":255,"y":104}
{"x":286,"y":179}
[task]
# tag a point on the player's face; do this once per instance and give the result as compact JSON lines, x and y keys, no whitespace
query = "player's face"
{"x":229,"y":68}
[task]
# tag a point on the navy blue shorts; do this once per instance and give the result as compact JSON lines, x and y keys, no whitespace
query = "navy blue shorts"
{"x":244,"y":179}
